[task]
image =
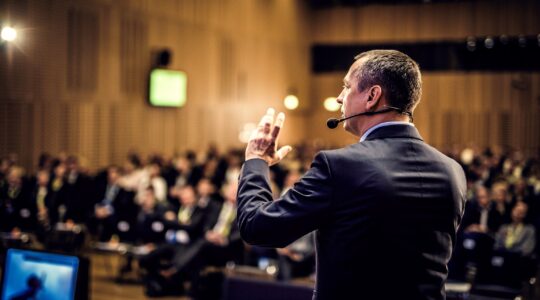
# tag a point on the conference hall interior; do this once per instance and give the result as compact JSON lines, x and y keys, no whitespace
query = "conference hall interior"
{"x":123,"y":127}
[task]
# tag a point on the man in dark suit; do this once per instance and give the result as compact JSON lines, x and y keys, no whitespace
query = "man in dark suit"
{"x":385,"y":210}
{"x":481,"y":215}
{"x":17,"y":211}
{"x":78,"y":189}
{"x":113,"y":205}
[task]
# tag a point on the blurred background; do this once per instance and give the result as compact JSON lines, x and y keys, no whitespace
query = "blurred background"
{"x":75,"y":79}
{"x":86,"y":110}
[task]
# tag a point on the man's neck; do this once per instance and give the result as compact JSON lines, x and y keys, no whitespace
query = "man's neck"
{"x":383,"y":118}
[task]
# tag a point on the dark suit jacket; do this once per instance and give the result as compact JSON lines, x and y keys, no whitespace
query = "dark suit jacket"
{"x":386,"y":212}
{"x":78,"y":199}
{"x":20,"y":211}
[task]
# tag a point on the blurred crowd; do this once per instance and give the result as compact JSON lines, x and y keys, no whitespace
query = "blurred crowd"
{"x":496,"y":241}
{"x":177,"y":209}
{"x":179,"y":212}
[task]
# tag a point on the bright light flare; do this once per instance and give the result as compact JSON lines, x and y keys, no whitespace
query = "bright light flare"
{"x":330,"y":104}
{"x":291,"y":102}
{"x":8,"y":34}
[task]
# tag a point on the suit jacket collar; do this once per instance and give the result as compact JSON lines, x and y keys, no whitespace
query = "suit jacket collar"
{"x":394,"y":131}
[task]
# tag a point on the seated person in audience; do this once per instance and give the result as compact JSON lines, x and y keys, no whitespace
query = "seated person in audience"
{"x":78,"y":188}
{"x":183,"y":173}
{"x":234,"y":160}
{"x":149,"y":229}
{"x":221,"y":243}
{"x":58,"y":193}
{"x":187,"y":219}
{"x":5,"y":165}
{"x":206,"y":192}
{"x":184,"y":225}
{"x":523,"y":192}
{"x":17,"y":211}
{"x":211,"y":169}
{"x":516,"y":237}
{"x":114,"y":203}
{"x":154,"y":179}
{"x":41,"y":195}
{"x":480,"y":214}
{"x":132,"y":179}
{"x":297,"y":259}
{"x":499,"y":195}
{"x":150,"y":226}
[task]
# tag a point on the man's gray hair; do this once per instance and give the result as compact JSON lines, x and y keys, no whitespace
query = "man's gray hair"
{"x":397,"y":74}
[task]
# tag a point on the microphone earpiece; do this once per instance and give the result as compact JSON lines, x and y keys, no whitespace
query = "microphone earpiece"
{"x":332,"y":123}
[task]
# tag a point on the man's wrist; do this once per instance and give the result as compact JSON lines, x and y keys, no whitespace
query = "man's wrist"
{"x":254,"y":156}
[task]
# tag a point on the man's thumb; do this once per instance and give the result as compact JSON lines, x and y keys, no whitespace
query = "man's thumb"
{"x":283,"y":151}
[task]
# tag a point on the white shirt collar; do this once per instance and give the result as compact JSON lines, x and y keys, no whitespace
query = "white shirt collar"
{"x":383,"y":124}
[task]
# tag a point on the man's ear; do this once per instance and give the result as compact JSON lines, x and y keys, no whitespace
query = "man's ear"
{"x":374,"y":97}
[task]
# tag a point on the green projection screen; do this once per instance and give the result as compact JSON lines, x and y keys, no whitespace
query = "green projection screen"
{"x":167,"y":88}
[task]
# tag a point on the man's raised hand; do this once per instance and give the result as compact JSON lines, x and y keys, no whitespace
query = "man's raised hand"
{"x":263,"y":141}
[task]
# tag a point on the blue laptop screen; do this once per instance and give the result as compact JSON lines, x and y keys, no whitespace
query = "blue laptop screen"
{"x":39,"y":275}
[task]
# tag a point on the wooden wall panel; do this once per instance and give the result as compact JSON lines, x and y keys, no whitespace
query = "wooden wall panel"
{"x":134,"y":56}
{"x":84,"y":69}
{"x":83,"y":50}
{"x":431,"y":21}
{"x":241,"y":57}
{"x":465,"y":108}
{"x":461,"y":108}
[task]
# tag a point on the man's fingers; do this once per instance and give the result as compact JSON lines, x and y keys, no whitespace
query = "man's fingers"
{"x":277,"y":126}
{"x":269,"y":113}
{"x":283,"y":151}
{"x":263,"y":140}
{"x":266,"y":121}
{"x":280,"y":154}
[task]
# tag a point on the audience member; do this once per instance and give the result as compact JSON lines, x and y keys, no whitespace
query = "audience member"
{"x":297,"y":259}
{"x":186,"y":221}
{"x":57,"y":189}
{"x":150,"y":221}
{"x":42,"y":197}
{"x":78,"y":189}
{"x":517,"y":236}
{"x":185,"y":226}
{"x":480,"y":214}
{"x":221,"y":243}
{"x":152,"y":177}
{"x":503,"y":205}
{"x":132,"y":180}
{"x":113,"y":204}
{"x":17,"y":211}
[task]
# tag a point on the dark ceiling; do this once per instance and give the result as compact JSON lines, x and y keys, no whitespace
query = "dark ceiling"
{"x":320,"y":4}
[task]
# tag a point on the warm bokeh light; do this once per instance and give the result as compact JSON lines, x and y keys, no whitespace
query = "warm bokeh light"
{"x":291,"y":102}
{"x":330,"y":104}
{"x":8,"y":34}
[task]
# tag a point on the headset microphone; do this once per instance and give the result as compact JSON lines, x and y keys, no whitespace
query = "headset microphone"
{"x":333,"y":122}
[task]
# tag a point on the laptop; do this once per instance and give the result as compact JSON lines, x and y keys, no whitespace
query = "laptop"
{"x":39,"y":275}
